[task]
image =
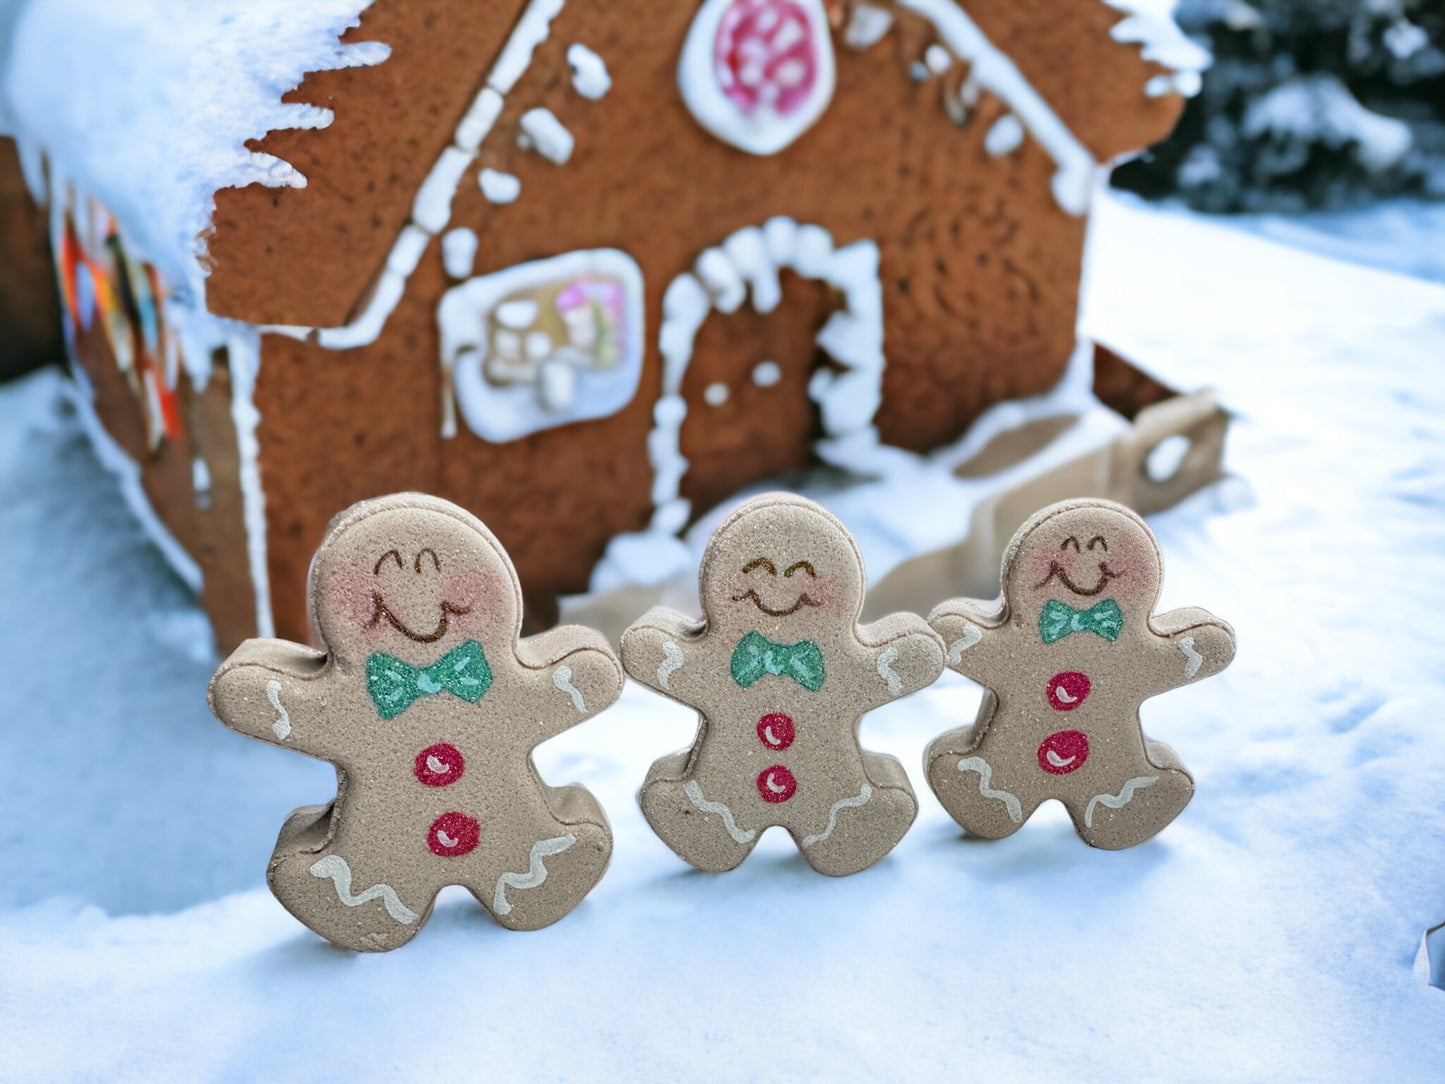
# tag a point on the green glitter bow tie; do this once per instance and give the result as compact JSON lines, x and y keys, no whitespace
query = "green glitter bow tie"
{"x":757,"y":656}
{"x":395,"y":685}
{"x":1059,"y":619}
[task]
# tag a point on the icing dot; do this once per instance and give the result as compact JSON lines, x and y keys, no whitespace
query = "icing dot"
{"x":776,"y":784}
{"x":499,"y":187}
{"x":775,"y":730}
{"x":439,"y":765}
{"x":453,"y":834}
{"x":767,"y":373}
{"x":1067,"y":691}
{"x":1064,"y":752}
{"x":715,"y":395}
{"x":1004,"y":137}
{"x":459,"y":251}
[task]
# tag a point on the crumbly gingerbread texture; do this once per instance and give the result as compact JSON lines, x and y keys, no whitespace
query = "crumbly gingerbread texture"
{"x":1066,"y":657}
{"x":429,"y":703}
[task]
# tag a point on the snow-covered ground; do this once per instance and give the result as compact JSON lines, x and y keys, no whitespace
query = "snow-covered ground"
{"x":1271,"y":933}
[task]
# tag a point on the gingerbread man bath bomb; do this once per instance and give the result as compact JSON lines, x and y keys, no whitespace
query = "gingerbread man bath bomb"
{"x":781,"y":673}
{"x":1066,"y":659}
{"x":429,"y":705}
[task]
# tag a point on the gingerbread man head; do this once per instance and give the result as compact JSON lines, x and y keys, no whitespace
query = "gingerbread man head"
{"x":411,"y":576}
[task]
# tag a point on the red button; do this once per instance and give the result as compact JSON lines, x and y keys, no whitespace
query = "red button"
{"x":439,"y":765}
{"x":453,"y":835}
{"x":1064,"y":752}
{"x":1065,"y":692}
{"x":775,"y":730}
{"x":776,"y":784}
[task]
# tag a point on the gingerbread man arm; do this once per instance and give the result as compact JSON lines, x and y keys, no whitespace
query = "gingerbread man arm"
{"x":1192,"y":644}
{"x":975,"y":639}
{"x":662,"y":650}
{"x":569,"y":674}
{"x":907,"y":654}
{"x":275,"y":691}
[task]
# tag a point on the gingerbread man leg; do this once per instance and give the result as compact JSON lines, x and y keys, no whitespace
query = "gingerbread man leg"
{"x":346,"y":900}
{"x":1154,"y":791}
{"x":867,"y":823}
{"x":547,"y":875}
{"x":975,"y":782}
{"x":700,"y":829}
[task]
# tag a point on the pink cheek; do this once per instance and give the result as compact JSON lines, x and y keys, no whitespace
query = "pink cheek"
{"x":350,"y":593}
{"x":826,"y":591}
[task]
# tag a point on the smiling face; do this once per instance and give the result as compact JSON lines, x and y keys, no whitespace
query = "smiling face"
{"x":411,"y":581}
{"x":782,"y":566}
{"x":1081,"y":554}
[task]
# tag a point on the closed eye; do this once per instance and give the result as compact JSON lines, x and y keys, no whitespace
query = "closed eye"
{"x":1098,"y":540}
{"x":1071,"y":540}
{"x":761,"y":562}
{"x":376,"y":569}
{"x":804,"y":565}
{"x":435,"y":560}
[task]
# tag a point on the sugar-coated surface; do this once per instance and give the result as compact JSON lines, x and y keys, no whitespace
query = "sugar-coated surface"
{"x":1270,"y":934}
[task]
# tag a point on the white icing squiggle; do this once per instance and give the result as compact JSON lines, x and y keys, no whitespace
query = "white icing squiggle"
{"x":536,"y":872}
{"x":562,"y":678}
{"x":282,"y":726}
{"x":335,"y":867}
{"x":544,"y":133}
{"x":972,"y":634}
{"x":694,"y":795}
{"x":672,"y":660}
{"x":886,"y":671}
{"x":589,"y":72}
{"x":985,"y":776}
{"x":861,"y":798}
{"x":1117,"y":801}
{"x":1193,"y":659}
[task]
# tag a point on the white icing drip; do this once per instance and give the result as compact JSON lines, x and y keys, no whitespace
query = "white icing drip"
{"x":972,"y":634}
{"x":1005,"y":136}
{"x":763,"y":131}
{"x":985,"y":776}
{"x":996,"y":73}
{"x":544,"y":133}
{"x":498,"y":187}
{"x":671,"y":661}
{"x":336,"y":868}
{"x":886,"y":671}
{"x":1117,"y":801}
{"x":459,"y":251}
{"x":1193,"y":660}
{"x":694,"y":795}
{"x":1163,"y":41}
{"x":562,"y":678}
{"x":853,"y":802}
{"x":536,"y":873}
{"x":243,"y":352}
{"x":589,"y":73}
{"x":282,"y":726}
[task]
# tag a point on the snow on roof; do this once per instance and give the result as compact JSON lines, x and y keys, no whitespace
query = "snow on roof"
{"x":175,"y":88}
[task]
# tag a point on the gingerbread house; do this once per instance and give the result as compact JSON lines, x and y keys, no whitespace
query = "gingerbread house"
{"x":587,"y":269}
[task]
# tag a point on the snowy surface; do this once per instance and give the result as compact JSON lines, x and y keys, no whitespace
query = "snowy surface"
{"x":1271,"y":933}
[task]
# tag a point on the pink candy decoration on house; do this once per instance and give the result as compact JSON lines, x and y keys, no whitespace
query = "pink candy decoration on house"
{"x":766,"y":55}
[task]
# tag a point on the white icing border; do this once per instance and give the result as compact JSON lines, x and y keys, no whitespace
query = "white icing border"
{"x":499,"y":414}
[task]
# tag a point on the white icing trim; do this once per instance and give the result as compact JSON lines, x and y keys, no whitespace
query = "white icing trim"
{"x":500,"y":413}
{"x":854,"y":802}
{"x":1193,"y":659}
{"x":887,"y":673}
{"x":335,"y":867}
{"x":764,"y":131}
{"x":531,"y":31}
{"x":671,"y":661}
{"x":536,"y":874}
{"x":1163,"y":43}
{"x":694,"y":795}
{"x":590,"y":77}
{"x":985,"y":776}
{"x":562,"y":678}
{"x":544,"y":133}
{"x":993,"y":70}
{"x":867,"y":26}
{"x":282,"y":726}
{"x":972,"y":634}
{"x":459,"y":251}
{"x":243,"y":352}
{"x":1117,"y":801}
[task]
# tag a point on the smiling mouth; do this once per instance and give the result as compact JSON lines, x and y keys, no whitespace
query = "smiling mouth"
{"x":447,"y":609}
{"x":803,"y":600}
{"x":1056,"y":571}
